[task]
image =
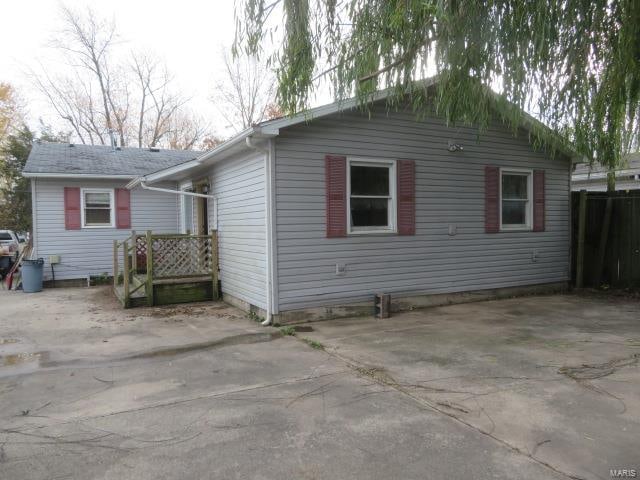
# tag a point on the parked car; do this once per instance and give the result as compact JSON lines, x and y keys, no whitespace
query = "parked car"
{"x":9,"y":251}
{"x":23,"y":240}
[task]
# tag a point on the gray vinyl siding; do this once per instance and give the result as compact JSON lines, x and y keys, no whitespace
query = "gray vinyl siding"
{"x":238,"y":184}
{"x":449,"y":191}
{"x":87,"y":252}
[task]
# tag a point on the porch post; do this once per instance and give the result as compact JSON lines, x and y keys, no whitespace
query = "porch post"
{"x":134,"y":256}
{"x":149,"y":269}
{"x":125,"y":273}
{"x":115,"y":263}
{"x":214,"y":263}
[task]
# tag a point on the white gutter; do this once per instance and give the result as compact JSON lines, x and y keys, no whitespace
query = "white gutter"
{"x":77,"y":175}
{"x":267,"y":198}
{"x":175,"y":192}
{"x":167,"y":172}
{"x":600,"y":175}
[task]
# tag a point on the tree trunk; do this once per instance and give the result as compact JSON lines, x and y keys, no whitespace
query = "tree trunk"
{"x":611,"y":181}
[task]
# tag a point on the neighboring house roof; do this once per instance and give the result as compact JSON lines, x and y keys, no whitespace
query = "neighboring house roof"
{"x":594,"y":177}
{"x":99,"y":161}
{"x":271,"y":128}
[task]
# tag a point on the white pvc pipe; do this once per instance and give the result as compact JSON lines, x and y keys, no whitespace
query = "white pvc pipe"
{"x":267,"y":155}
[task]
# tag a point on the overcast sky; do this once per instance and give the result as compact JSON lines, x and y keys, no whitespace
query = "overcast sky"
{"x":187,"y":34}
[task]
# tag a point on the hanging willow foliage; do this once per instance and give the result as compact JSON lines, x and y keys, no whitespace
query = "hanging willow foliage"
{"x":575,"y":64}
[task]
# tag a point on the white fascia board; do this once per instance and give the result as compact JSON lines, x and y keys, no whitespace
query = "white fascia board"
{"x":204,"y":158}
{"x":273,"y":128}
{"x":77,"y":175}
{"x":154,"y":177}
{"x":601,"y":175}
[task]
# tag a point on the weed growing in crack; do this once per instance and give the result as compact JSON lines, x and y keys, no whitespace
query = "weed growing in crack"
{"x":254,"y":316}
{"x":288,"y":331}
{"x":314,"y":344}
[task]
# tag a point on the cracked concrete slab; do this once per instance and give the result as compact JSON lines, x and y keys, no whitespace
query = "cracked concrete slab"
{"x":201,"y":391}
{"x":555,"y":378}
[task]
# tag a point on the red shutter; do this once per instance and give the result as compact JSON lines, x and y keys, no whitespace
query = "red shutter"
{"x":406,"y":173}
{"x":491,"y":199}
{"x":538,"y":201}
{"x":123,"y":208}
{"x":336,"y":193}
{"x":72,"y":208}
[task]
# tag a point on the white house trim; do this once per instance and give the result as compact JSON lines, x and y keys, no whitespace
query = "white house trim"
{"x":529,"y":212}
{"x":77,"y":175}
{"x":392,"y":208}
{"x":112,"y":216}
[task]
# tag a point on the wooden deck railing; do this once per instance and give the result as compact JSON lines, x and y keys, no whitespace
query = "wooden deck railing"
{"x":163,"y":258}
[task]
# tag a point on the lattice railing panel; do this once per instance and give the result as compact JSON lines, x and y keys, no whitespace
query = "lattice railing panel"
{"x":181,"y":256}
{"x":141,"y":253}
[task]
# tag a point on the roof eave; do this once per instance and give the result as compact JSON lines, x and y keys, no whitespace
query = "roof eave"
{"x":76,"y":175}
{"x":272,"y":128}
{"x":210,"y":156}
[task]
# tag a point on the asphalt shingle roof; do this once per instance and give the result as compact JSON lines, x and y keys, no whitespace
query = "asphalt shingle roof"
{"x":629,"y":162}
{"x":101,"y":160}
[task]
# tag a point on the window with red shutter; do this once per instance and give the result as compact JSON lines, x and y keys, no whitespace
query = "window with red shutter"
{"x":371,"y":196}
{"x":366,"y":195}
{"x":516,"y":199}
{"x":98,"y":208}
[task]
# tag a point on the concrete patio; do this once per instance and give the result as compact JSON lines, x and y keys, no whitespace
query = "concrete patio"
{"x":487,"y":390}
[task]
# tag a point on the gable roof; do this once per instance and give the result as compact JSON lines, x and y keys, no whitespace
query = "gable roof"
{"x":99,"y":161}
{"x":584,"y":172}
{"x":271,"y":128}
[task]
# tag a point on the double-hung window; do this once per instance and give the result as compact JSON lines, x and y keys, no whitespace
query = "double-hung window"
{"x":97,"y":207}
{"x":515,"y":199}
{"x":371,"y":195}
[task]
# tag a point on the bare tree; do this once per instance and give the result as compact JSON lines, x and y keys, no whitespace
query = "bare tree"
{"x":11,"y":115}
{"x":73,"y":102}
{"x":88,"y":41}
{"x":188,"y":131}
{"x":133,"y":100}
{"x":246,"y":95}
{"x":157,"y":104}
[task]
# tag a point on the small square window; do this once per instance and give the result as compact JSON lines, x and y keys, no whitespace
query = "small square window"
{"x":515,"y":200}
{"x":97,"y":208}
{"x":371,"y":196}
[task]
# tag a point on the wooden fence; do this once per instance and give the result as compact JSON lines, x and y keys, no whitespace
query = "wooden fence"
{"x":610,"y":250}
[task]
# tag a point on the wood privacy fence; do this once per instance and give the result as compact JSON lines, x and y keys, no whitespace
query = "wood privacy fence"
{"x":610,"y":250}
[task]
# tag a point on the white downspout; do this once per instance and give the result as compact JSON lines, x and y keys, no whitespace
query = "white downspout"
{"x":34,"y":219}
{"x":267,"y":196}
{"x":175,"y":192}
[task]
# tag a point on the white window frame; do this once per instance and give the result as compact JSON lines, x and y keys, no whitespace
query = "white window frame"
{"x":392,"y":197}
{"x":527,"y":226}
{"x":112,"y":215}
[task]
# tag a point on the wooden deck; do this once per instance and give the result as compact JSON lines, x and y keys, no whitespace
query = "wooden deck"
{"x":161,"y":269}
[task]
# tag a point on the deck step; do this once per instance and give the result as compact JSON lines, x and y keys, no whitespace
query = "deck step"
{"x":137,"y":299}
